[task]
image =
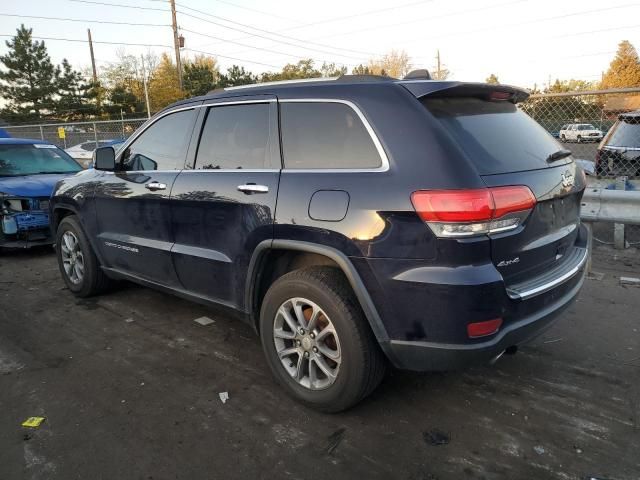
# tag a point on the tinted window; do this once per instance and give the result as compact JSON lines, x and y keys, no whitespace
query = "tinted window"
{"x":625,"y":133}
{"x":498,"y":137}
{"x":34,"y":159}
{"x":325,"y":135}
{"x":239,"y":136}
{"x":162,"y":146}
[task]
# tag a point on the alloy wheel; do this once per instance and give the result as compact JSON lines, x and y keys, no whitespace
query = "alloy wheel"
{"x":307,"y":343}
{"x":72,"y":257}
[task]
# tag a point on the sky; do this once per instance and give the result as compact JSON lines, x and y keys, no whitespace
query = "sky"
{"x":524,"y":42}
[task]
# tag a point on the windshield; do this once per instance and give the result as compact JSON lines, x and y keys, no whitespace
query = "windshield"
{"x":498,"y":137}
{"x":586,"y":126}
{"x":17,"y":160}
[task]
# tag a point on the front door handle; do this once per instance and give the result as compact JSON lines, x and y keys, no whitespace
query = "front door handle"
{"x":250,"y":188}
{"x":153,"y":186}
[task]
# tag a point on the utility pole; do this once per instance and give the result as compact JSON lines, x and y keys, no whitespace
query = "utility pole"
{"x":144,"y":82}
{"x":176,"y":41}
{"x":93,"y":60}
{"x":438,"y":68}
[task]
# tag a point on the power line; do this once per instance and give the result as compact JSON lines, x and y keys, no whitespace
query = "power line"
{"x":433,"y":17}
{"x":95,"y":41}
{"x":263,"y":37}
{"x":93,"y":2}
{"x":85,"y":20}
{"x":249,"y":46}
{"x":251,"y":10}
{"x":528,"y":22}
{"x":231,"y":58}
{"x":264,"y":31}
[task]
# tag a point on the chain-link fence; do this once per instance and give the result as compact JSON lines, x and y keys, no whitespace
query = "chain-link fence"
{"x":581,"y":120}
{"x":78,"y":133}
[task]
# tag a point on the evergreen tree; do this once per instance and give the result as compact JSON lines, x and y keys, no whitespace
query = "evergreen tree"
{"x":74,"y":95}
{"x":28,"y":80}
{"x":236,"y":76}
{"x":624,"y":70}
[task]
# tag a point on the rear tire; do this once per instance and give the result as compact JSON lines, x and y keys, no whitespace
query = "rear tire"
{"x":77,"y":261}
{"x":563,"y":139}
{"x":297,"y":311}
{"x":579,"y":139}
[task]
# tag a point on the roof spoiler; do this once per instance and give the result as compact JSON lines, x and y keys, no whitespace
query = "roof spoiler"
{"x":486,"y":91}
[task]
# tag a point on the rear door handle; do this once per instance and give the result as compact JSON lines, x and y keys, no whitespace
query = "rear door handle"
{"x":153,"y":186}
{"x":250,"y":188}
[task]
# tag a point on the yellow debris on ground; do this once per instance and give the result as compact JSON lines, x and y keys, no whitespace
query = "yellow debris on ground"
{"x":33,"y":422}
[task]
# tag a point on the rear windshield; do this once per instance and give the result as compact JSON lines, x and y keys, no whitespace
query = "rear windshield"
{"x":498,"y":137}
{"x":625,"y":133}
{"x":16,"y":160}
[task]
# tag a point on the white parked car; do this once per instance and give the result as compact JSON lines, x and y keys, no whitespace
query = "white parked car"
{"x":580,"y":132}
{"x":83,"y":152}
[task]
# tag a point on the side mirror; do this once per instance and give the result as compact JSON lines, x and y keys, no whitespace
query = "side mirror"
{"x":104,"y":158}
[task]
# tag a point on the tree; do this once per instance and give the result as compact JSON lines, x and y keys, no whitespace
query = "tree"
{"x":303,"y":69}
{"x":624,"y":70}
{"x":493,"y":79}
{"x":122,"y":80}
{"x":28,"y":80}
{"x":236,"y":76}
{"x":330,"y":70}
{"x":362,"y":70}
{"x":164,"y":88}
{"x":200,"y":75}
{"x":74,"y":95}
{"x":394,"y":64}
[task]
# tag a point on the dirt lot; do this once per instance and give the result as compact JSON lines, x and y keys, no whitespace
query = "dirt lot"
{"x":129,"y":386}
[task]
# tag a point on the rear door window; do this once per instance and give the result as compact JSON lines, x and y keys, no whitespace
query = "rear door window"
{"x":320,"y":135}
{"x":625,"y":133}
{"x":498,"y":137}
{"x":239,"y":137}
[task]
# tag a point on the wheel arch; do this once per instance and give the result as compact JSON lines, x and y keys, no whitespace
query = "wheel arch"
{"x":315,"y":254}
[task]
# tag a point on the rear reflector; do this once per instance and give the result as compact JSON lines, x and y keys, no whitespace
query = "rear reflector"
{"x":482,"y":329}
{"x":458,"y":213}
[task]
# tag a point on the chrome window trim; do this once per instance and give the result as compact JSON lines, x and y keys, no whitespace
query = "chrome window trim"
{"x":144,"y":128}
{"x":384,"y":160}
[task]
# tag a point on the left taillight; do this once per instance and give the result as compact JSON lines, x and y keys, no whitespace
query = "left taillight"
{"x":464,"y":213}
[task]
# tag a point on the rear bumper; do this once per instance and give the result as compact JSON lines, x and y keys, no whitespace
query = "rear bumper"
{"x":426,"y":311}
{"x":428,"y":356}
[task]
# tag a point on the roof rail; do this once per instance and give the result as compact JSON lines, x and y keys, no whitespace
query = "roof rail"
{"x":282,"y":82}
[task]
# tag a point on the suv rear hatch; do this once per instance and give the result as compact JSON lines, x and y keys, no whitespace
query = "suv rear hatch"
{"x":508,"y":148}
{"x":619,"y":152}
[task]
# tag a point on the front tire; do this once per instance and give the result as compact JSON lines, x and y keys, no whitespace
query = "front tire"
{"x":78,"y":263}
{"x":317,"y":342}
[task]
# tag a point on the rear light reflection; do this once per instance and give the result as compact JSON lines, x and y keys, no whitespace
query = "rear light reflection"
{"x":462,"y":213}
{"x":482,"y":329}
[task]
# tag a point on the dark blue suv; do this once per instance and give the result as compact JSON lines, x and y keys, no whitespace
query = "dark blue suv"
{"x":353,"y":222}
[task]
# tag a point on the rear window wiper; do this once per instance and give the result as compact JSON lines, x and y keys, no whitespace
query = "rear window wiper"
{"x":559,"y":155}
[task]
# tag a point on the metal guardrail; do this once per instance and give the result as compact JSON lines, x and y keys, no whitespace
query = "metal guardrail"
{"x":615,"y":206}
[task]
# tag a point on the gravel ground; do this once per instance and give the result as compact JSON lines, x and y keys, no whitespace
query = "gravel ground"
{"x":129,"y":385}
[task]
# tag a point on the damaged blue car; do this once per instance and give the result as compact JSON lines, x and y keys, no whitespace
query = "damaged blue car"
{"x":29,"y":169}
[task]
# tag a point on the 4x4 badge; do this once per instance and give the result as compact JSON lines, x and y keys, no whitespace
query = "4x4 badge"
{"x":567,"y":179}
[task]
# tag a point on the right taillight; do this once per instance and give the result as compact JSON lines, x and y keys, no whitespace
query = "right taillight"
{"x":463,"y":213}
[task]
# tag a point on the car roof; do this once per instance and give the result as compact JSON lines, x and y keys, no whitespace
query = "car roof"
{"x":349,"y":85}
{"x":23,"y":141}
{"x":634,"y":114}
